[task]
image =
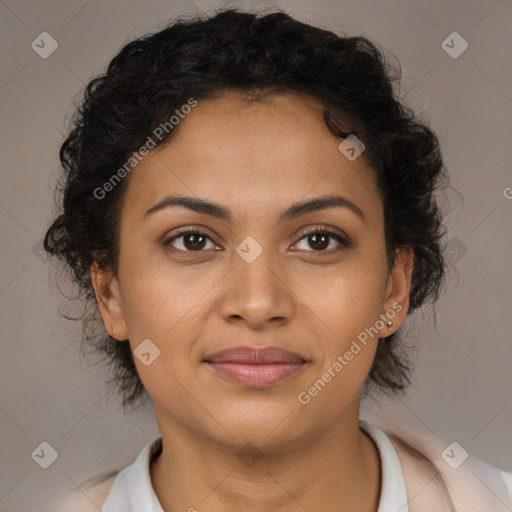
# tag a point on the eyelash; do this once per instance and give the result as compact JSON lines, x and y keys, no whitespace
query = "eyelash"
{"x":316,"y":230}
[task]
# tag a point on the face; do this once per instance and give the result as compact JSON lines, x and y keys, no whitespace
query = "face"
{"x":266,"y":273}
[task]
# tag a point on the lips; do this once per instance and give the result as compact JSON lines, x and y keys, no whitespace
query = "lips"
{"x":256,"y":367}
{"x":253,"y":355}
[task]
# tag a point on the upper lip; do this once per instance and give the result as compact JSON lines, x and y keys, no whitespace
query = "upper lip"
{"x":254,"y":355}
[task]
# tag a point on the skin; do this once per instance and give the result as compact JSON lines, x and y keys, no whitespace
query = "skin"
{"x":256,"y":159}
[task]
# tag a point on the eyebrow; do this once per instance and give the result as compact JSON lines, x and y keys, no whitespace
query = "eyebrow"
{"x":223,"y":213}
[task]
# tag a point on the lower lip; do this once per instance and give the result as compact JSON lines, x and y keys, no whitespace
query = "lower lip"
{"x":257,"y":375}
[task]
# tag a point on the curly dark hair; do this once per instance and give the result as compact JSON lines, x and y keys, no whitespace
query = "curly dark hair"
{"x":255,"y":55}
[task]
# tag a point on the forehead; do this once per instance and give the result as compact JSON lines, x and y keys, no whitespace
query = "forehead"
{"x":243,"y":153}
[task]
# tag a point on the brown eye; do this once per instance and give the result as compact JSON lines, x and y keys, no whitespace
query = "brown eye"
{"x":189,"y":241}
{"x":194,"y":241}
{"x":321,"y":239}
{"x":318,"y":241}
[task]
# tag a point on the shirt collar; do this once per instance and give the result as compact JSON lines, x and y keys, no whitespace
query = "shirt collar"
{"x":135,"y":480}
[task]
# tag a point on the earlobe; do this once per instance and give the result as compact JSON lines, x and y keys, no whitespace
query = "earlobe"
{"x":108,"y":298}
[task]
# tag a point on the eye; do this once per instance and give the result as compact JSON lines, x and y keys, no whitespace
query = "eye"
{"x":319,"y":239}
{"x":190,"y":240}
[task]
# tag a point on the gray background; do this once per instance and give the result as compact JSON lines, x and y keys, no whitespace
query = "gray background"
{"x":462,"y":388}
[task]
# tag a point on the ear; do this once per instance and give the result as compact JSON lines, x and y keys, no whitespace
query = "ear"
{"x":396,"y":300}
{"x":108,"y":297}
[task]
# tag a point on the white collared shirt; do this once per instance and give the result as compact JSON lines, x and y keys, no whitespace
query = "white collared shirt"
{"x":132,"y":490}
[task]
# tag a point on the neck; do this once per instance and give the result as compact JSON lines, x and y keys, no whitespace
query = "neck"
{"x":337,"y":470}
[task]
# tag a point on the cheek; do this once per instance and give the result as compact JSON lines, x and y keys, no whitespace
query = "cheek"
{"x":157,"y":296}
{"x":170,"y":313}
{"x":347,"y":298}
{"x":349,"y":307}
{"x":164,"y":308}
{"x":170,"y":307}
{"x":348,"y":302}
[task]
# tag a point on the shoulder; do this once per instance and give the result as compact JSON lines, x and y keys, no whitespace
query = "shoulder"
{"x":90,"y":497}
{"x":425,"y":485}
{"x":96,"y":493}
{"x":473,"y":485}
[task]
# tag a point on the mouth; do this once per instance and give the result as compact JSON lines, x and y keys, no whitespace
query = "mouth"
{"x":256,"y":367}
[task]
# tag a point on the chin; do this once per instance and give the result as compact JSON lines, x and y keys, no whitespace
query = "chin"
{"x":263,"y":424}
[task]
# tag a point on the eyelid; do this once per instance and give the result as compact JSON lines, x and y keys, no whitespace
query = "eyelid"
{"x":324,"y":229}
{"x":184,"y":231}
{"x":332,"y":232}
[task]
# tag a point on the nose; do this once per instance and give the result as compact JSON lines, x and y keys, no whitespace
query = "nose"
{"x":257,"y":294}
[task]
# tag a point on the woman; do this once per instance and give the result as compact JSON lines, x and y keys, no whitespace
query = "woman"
{"x":253,"y":213}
